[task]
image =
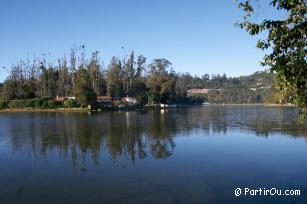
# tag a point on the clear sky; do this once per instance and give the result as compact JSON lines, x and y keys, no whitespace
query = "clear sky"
{"x":197,"y":36}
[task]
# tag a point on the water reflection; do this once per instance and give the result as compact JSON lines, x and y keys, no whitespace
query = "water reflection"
{"x":135,"y":135}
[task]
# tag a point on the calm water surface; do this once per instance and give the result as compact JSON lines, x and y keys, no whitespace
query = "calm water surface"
{"x":195,"y":155}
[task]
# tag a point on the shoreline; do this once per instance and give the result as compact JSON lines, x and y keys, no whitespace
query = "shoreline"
{"x":29,"y":110}
{"x":280,"y":105}
{"x":25,"y":110}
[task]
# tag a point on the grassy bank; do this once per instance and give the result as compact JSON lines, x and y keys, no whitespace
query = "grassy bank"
{"x":44,"y":110}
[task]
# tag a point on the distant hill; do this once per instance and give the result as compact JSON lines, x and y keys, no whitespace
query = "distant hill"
{"x":255,"y":88}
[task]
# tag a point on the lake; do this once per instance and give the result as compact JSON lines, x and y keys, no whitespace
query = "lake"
{"x":175,"y":156}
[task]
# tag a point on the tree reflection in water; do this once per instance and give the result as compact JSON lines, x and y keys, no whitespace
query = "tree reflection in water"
{"x":136,"y":135}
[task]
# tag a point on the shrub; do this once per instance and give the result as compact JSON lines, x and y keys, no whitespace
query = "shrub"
{"x":2,"y":105}
{"x":51,"y":104}
{"x":29,"y":103}
{"x":59,"y":104}
{"x":38,"y":103}
{"x":71,"y":103}
{"x":44,"y":105}
{"x":16,"y":104}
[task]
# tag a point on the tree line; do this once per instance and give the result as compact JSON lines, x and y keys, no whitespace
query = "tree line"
{"x":151,"y":83}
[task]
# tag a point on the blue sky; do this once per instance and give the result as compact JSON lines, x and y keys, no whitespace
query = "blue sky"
{"x":197,"y":36}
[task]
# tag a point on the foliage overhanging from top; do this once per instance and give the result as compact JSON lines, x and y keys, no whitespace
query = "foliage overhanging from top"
{"x":286,"y":43}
